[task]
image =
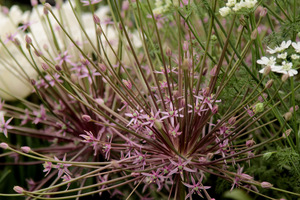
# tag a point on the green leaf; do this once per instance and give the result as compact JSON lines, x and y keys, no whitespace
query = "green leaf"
{"x":4,"y":174}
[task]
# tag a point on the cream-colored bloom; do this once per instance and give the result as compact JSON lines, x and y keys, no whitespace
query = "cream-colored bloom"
{"x":282,"y":55}
{"x":267,"y":61}
{"x":250,"y":3}
{"x":15,"y":70}
{"x":296,"y":46}
{"x":284,"y":45}
{"x":231,"y":3}
{"x":295,"y":56}
{"x":285,"y":68}
{"x":238,"y":6}
{"x":224,"y":11}
{"x":15,"y":80}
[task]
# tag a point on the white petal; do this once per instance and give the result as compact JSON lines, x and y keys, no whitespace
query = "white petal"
{"x":262,"y":70}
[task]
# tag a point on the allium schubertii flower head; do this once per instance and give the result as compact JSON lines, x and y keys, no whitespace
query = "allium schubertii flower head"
{"x":126,"y":105}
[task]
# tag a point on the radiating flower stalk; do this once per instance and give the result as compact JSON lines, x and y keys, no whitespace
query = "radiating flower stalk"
{"x":135,"y":102}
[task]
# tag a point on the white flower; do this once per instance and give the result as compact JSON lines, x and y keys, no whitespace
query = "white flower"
{"x":158,"y":3}
{"x":262,"y":70}
{"x":250,"y":3}
{"x":286,"y":68}
{"x":13,"y":79}
{"x":284,"y":45}
{"x":238,"y":6}
{"x":282,"y":55}
{"x":267,"y":61}
{"x":272,"y":51}
{"x":296,"y":46}
{"x":225,"y":11}
{"x":15,"y":84}
{"x":231,"y":3}
{"x":295,"y":56}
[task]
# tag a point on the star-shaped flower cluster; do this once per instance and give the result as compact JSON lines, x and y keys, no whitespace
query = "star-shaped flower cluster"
{"x":283,"y":59}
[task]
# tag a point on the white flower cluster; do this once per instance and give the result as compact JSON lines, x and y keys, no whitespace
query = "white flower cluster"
{"x":161,"y":6}
{"x":234,"y":6}
{"x":282,"y":60}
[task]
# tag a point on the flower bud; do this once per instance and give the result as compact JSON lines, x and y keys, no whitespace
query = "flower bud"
{"x":254,"y":34}
{"x":5,"y":10}
{"x":3,"y":145}
{"x":127,"y":83}
{"x":185,"y":46}
{"x":28,"y":39}
{"x":215,"y":109}
{"x":263,"y":12}
{"x":115,"y":164}
{"x":210,"y":156}
{"x":204,"y":71}
{"x":214,"y":38}
{"x":292,"y":108}
{"x":213,"y":71}
{"x":232,"y":120}
{"x":267,"y":155}
{"x":45,"y":47}
{"x":284,"y":77}
{"x":18,"y":189}
{"x":288,"y":116}
{"x":266,"y":185}
{"x":58,"y":4}
{"x":269,"y":83}
{"x":202,"y":160}
{"x":120,"y":26}
{"x":135,"y":174}
{"x":38,"y":53}
{"x":45,"y":66}
{"x":206,"y":92}
{"x":99,"y":30}
{"x":250,"y":143}
{"x":246,"y":176}
{"x":96,"y":19}
{"x":100,"y":101}
{"x":185,"y":64}
{"x":58,"y":68}
{"x":102,"y":67}
{"x":86,"y":118}
{"x":74,"y":78}
{"x":26,"y":149}
{"x":34,"y":3}
{"x":267,"y":70}
{"x":262,"y":97}
{"x":286,"y":133}
{"x":125,"y":5}
{"x":168,"y":52}
{"x":259,"y":107}
{"x":45,"y":11}
{"x":17,"y":42}
{"x":48,"y":6}
{"x":158,"y":125}
{"x":33,"y":82}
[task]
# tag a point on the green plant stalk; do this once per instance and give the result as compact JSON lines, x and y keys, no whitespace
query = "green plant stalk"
{"x":207,"y":46}
{"x":294,"y":122}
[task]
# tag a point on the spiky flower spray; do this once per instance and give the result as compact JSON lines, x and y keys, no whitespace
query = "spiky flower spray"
{"x":135,"y":102}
